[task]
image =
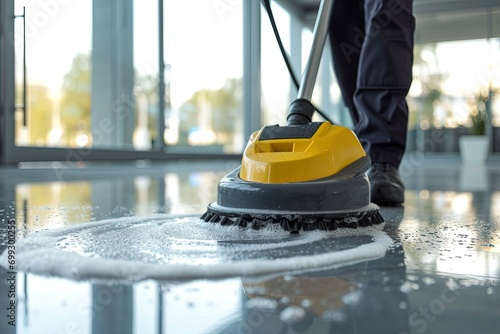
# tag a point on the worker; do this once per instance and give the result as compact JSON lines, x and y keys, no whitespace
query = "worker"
{"x":372,"y":48}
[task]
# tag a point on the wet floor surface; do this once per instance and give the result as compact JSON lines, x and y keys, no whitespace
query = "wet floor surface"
{"x":440,"y":275}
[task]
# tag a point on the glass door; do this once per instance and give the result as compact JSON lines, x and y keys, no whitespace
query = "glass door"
{"x":92,"y":73}
{"x":122,"y":79}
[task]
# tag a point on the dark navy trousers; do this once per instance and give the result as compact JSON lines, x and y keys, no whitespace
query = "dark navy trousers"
{"x":372,"y":47}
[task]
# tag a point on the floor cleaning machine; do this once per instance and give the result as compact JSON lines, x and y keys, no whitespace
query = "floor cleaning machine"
{"x":303,"y":176}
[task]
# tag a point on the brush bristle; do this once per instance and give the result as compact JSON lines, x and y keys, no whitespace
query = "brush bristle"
{"x":295,"y":223}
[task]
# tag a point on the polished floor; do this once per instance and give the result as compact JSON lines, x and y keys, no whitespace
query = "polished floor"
{"x":440,"y":275}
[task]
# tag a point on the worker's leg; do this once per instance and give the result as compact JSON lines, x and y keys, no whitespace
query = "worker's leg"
{"x":372,"y":47}
{"x":384,"y":78}
{"x":346,"y":40}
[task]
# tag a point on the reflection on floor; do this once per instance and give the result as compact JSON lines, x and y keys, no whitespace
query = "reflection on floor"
{"x":441,"y":277}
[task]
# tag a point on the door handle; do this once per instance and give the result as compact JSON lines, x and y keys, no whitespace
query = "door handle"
{"x":24,"y":106}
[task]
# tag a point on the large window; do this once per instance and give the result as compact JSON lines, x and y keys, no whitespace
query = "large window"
{"x":134,"y":79}
{"x":455,"y":92}
{"x":204,"y":57}
{"x":93,"y":78}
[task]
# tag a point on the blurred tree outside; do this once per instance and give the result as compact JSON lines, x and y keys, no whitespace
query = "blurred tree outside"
{"x":218,"y":111}
{"x":146,"y":94}
{"x":226,"y":109}
{"x":75,"y":102}
{"x":39,"y":118}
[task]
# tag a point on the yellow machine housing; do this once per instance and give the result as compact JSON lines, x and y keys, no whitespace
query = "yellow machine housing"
{"x":283,"y":160}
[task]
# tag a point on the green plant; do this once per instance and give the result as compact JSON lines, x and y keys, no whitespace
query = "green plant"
{"x":479,"y":116}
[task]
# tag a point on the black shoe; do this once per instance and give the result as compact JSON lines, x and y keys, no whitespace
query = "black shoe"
{"x":387,"y":189}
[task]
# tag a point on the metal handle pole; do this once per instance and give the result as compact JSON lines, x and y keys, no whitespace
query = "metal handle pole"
{"x":301,"y":110}
{"x":320,"y":33}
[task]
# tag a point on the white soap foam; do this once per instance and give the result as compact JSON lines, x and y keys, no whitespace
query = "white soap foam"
{"x":173,"y":247}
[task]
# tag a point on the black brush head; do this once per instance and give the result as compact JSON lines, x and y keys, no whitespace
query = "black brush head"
{"x":295,"y":222}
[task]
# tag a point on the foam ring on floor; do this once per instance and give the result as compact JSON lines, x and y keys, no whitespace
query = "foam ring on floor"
{"x":185,"y":247}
